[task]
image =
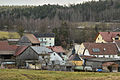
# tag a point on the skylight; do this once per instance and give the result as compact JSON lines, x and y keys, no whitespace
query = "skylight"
{"x":96,"y":50}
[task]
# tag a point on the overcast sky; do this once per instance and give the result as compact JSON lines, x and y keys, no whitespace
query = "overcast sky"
{"x":40,"y":2}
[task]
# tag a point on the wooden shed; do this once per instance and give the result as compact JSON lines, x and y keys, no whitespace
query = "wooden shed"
{"x":110,"y":66}
{"x":31,"y":55}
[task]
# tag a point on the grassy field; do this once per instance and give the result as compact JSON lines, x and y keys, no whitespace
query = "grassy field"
{"x":21,"y":74}
{"x":6,"y":35}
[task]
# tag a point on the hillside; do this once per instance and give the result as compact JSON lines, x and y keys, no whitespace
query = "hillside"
{"x":21,"y":74}
{"x":64,"y":21}
{"x":6,"y":35}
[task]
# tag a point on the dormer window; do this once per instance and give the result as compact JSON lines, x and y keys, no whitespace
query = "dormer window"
{"x":117,"y":37}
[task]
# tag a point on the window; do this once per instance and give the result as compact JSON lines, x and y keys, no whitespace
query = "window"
{"x":45,"y":38}
{"x":104,"y":56}
{"x":96,"y":50}
{"x":41,"y":39}
{"x":113,"y":56}
{"x":50,"y":39}
{"x":117,"y":37}
{"x":43,"y":57}
{"x":50,"y":44}
{"x":97,"y":56}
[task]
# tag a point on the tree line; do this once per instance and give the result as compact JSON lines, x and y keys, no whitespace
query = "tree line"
{"x":59,"y":19}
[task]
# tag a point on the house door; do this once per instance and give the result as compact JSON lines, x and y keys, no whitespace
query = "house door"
{"x":110,"y":68}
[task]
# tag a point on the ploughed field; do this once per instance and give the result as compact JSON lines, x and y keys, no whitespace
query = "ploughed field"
{"x":22,"y":74}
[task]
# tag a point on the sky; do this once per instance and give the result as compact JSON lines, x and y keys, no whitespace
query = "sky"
{"x":40,"y":2}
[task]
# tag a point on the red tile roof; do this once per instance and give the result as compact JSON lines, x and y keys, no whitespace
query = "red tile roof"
{"x":57,"y":49}
{"x":104,"y":48}
{"x":4,"y":43}
{"x":20,"y":49}
{"x":32,"y":38}
{"x":107,"y":36}
{"x":118,"y":43}
{"x":5,"y":48}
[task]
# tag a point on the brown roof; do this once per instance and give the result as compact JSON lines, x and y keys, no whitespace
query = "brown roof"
{"x":4,"y":46}
{"x":107,"y":36}
{"x":109,"y":64}
{"x":7,"y":49}
{"x":57,"y":49}
{"x":118,"y":43}
{"x":101,"y":48}
{"x":32,"y":38}
{"x":4,"y":43}
{"x":19,"y":50}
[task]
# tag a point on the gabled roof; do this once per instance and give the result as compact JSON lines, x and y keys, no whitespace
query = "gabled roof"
{"x":75,"y":57}
{"x":101,"y":48}
{"x":32,"y":38}
{"x":57,"y":49}
{"x":41,"y":49}
{"x":20,"y":49}
{"x":5,"y":48}
{"x":107,"y":36}
{"x":8,"y":47}
{"x":44,"y":35}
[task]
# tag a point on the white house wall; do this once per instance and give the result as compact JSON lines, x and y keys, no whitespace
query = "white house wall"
{"x":77,"y":46}
{"x":81,"y":49}
{"x":55,"y":57}
{"x":86,"y":53}
{"x":50,"y":41}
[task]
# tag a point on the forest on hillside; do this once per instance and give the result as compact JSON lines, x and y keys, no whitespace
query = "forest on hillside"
{"x":60,"y":19}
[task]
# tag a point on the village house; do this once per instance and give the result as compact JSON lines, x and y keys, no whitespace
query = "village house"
{"x":76,"y":61}
{"x":60,"y":51}
{"x":29,"y":40}
{"x":46,"y":39}
{"x":105,"y":37}
{"x":7,"y":51}
{"x":110,"y":66}
{"x":27,"y":56}
{"x":102,"y":64}
{"x":7,"y":59}
{"x":56,"y":59}
{"x":107,"y":50}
